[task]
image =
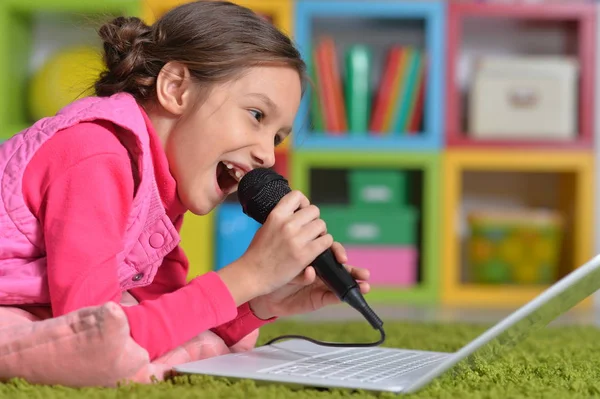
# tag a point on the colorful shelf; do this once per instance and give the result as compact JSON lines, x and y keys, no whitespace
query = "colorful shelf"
{"x":580,"y":14}
{"x":427,"y":291}
{"x":433,"y":15}
{"x":442,"y":152}
{"x":17,"y":21}
{"x":576,"y":199}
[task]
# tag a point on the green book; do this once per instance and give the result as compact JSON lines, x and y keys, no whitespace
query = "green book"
{"x":357,"y":88}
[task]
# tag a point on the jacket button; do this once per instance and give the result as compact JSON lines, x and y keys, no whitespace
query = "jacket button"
{"x":157,"y":240}
{"x":138,"y":277}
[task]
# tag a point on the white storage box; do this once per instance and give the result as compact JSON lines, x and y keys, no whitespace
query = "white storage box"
{"x":524,"y":98}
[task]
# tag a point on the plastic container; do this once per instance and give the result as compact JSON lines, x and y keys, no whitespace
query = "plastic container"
{"x":517,"y":247}
{"x":378,"y":188}
{"x":350,"y":225}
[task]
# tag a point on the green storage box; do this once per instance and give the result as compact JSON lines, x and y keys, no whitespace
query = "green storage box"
{"x":378,"y":188}
{"x":368,"y":226}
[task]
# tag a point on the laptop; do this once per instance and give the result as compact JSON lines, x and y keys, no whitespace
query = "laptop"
{"x":301,"y":363}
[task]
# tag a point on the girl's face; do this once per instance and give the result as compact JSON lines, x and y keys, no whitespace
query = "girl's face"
{"x":232,"y":132}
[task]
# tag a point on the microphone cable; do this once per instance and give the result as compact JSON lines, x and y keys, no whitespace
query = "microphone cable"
{"x":334,"y":344}
{"x":355,"y":299}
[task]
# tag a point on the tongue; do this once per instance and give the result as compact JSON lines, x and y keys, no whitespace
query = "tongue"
{"x":225,"y":180}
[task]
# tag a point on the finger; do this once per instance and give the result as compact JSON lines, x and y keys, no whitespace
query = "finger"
{"x":358,"y":273}
{"x":364,"y":287}
{"x":309,"y":276}
{"x":306,"y":277}
{"x":290,"y":202}
{"x":312,"y":230}
{"x":305,"y":216}
{"x":319,"y":245}
{"x":328,"y":298}
{"x":340,"y":252}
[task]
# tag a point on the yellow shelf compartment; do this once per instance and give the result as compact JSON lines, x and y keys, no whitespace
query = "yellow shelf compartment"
{"x":281,"y":11}
{"x":575,"y":194}
{"x":197,"y":241}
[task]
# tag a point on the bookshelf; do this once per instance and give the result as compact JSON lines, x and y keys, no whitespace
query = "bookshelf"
{"x":444,"y":156}
{"x":563,"y":168}
{"x":422,"y":22}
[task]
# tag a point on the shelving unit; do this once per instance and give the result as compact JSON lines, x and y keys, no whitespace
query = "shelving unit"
{"x":448,"y":166}
{"x":428,"y":165}
{"x":425,"y":23}
{"x":574,"y":177}
{"x":562,"y":168}
{"x":540,"y":29}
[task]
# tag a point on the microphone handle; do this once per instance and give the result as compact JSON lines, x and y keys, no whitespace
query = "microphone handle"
{"x":334,"y":274}
{"x":338,"y":279}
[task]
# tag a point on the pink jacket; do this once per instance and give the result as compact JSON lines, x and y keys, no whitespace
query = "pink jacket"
{"x":150,"y":234}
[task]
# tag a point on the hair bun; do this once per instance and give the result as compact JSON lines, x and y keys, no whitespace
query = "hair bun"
{"x":124,"y":40}
{"x":123,"y":36}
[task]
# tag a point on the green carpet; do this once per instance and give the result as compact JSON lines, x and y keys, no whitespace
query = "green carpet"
{"x":557,"y":362}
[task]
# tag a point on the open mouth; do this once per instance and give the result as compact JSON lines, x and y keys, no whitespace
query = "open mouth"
{"x":228,"y":176}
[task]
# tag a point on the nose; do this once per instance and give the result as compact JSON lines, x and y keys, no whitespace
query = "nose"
{"x":263,"y":154}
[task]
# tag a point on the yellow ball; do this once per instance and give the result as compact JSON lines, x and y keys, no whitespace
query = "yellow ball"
{"x":66,"y":76}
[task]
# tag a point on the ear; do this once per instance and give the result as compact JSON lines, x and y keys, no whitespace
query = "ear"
{"x":174,"y":88}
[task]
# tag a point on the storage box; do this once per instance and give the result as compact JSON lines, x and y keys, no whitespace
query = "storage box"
{"x":519,"y":247}
{"x":524,"y":98}
{"x":350,"y":225}
{"x":380,"y":188}
{"x":388,"y":266}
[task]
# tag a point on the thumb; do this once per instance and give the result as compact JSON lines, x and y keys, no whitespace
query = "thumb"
{"x":307,"y":277}
{"x":328,"y":298}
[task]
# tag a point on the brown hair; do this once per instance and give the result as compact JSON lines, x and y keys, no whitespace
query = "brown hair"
{"x":216,"y":40}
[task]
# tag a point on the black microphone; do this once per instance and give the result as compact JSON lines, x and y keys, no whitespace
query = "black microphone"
{"x":259,"y":192}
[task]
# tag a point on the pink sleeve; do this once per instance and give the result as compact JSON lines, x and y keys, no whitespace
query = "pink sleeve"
{"x":245,"y":322}
{"x":172,"y":275}
{"x":79,"y":184}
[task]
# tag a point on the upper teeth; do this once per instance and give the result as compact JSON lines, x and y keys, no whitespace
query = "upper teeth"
{"x":235,"y":172}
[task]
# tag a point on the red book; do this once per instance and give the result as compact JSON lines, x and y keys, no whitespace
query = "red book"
{"x":386,"y":89}
{"x":325,"y":89}
{"x":335,"y":84}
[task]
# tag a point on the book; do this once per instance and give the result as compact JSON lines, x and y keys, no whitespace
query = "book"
{"x":357,"y":88}
{"x":385,"y":91}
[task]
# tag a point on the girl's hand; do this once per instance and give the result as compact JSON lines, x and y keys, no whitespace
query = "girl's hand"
{"x":292,"y":236}
{"x":306,"y":292}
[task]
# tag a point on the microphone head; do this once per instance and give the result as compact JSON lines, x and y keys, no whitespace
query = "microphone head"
{"x":259,"y":191}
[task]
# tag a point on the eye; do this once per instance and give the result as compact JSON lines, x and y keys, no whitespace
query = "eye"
{"x":258,"y":115}
{"x":277,"y":140}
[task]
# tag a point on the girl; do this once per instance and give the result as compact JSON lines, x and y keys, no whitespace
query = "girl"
{"x":92,"y":199}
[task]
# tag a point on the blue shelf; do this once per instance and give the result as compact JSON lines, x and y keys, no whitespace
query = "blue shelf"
{"x":234,"y":232}
{"x":329,"y":142}
{"x":432,"y":13}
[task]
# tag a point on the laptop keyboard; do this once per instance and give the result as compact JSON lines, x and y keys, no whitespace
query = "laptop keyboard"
{"x":365,"y":365}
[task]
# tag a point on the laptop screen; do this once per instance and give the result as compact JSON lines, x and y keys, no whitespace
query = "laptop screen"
{"x":537,"y":313}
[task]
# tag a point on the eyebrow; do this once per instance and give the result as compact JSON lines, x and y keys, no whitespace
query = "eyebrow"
{"x":265,"y":99}
{"x":273,"y":108}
